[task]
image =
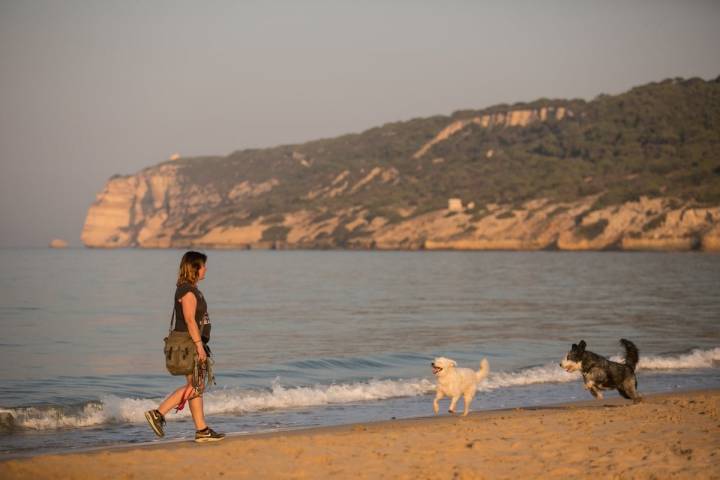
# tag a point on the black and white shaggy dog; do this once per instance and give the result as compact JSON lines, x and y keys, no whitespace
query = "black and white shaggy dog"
{"x":599,"y":373}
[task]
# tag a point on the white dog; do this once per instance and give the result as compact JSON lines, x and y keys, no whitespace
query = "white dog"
{"x":453,"y":382}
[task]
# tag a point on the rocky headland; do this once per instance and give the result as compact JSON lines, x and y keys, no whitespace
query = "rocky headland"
{"x":637,"y":171}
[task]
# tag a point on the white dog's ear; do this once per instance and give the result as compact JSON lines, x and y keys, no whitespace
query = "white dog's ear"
{"x":453,"y":363}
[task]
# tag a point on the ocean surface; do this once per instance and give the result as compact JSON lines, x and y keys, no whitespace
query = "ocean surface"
{"x":312,"y":338}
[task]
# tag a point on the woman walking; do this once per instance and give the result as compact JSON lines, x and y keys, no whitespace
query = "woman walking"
{"x":191,"y":316}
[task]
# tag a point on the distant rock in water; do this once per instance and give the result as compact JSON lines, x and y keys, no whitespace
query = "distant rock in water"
{"x":58,"y":243}
{"x":635,"y":171}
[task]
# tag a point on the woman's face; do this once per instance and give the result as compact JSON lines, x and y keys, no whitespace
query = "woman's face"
{"x":201,"y":272}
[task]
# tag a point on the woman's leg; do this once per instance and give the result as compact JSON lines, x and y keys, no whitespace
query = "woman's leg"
{"x":196,"y":408}
{"x":175,"y":397}
{"x":196,"y":403}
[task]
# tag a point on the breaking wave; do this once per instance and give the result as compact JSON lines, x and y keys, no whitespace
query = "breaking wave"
{"x":233,"y":401}
{"x":696,"y":358}
{"x":113,"y":409}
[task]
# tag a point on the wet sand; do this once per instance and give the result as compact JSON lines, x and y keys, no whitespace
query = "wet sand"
{"x":667,"y":436}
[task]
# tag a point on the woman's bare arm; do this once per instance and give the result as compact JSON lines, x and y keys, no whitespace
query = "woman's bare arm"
{"x":189,"y":306}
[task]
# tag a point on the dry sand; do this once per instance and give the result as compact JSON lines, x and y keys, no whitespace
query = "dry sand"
{"x":668,"y":436}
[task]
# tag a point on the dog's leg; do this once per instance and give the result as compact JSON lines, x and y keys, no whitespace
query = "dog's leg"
{"x":468,"y":398}
{"x":630,"y":390}
{"x":453,"y":402}
{"x":590,"y":385}
{"x":438,"y":396}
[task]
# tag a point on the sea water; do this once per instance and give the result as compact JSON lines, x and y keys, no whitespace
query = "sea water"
{"x":313,"y":338}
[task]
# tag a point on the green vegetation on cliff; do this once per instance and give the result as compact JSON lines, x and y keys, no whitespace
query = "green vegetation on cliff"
{"x":660,"y":139}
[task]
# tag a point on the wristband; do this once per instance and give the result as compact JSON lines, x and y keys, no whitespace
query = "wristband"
{"x":197,"y":341}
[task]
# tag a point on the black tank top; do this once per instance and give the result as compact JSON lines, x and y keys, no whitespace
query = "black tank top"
{"x":201,"y":314}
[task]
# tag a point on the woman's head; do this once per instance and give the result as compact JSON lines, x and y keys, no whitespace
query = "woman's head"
{"x":192,"y":268}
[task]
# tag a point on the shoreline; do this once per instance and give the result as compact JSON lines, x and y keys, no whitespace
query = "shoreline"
{"x":435,"y":248}
{"x":321,"y":248}
{"x":636,"y":440}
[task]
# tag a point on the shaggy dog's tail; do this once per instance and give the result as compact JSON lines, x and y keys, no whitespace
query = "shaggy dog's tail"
{"x":484,"y":370}
{"x":632,"y":356}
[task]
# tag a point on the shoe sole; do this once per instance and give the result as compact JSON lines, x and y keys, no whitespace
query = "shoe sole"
{"x":209,"y":439}
{"x":157,"y":431}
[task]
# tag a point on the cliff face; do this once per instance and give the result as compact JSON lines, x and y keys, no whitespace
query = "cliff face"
{"x":156,"y":209}
{"x":511,"y":118}
{"x":657,"y":224}
{"x":133,"y":210}
{"x":161,"y":208}
{"x":639,"y":171}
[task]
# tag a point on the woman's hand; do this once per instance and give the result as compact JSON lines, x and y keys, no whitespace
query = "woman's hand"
{"x":202,"y":355}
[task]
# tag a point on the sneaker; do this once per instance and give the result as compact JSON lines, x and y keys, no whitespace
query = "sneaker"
{"x":156,"y":421}
{"x":208,"y":435}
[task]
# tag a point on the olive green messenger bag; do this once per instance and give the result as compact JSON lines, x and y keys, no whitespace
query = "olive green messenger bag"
{"x":180,"y":351}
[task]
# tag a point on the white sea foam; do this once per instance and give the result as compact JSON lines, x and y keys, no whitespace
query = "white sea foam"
{"x":281,"y":397}
{"x":550,"y":373}
{"x":110,"y":409}
{"x":56,"y":417}
{"x":694,"y":359}
{"x":113,"y":409}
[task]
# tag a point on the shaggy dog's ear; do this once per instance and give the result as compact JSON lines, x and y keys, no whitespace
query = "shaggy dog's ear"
{"x":582,"y":345}
{"x":574,"y":346}
{"x":453,"y":363}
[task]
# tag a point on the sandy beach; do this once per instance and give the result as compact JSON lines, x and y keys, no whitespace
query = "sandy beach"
{"x":668,"y":436}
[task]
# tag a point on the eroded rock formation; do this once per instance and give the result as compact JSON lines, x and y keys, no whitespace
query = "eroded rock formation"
{"x":157,"y":209}
{"x":637,"y":171}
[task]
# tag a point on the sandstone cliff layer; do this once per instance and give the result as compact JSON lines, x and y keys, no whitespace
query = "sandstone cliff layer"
{"x":156,"y":209}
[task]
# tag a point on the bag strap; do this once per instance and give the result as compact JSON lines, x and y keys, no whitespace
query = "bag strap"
{"x":172,"y":319}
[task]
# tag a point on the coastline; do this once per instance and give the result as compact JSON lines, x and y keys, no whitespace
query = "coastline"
{"x":668,"y":435}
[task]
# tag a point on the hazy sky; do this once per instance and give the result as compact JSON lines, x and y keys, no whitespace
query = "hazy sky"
{"x":93,"y":88}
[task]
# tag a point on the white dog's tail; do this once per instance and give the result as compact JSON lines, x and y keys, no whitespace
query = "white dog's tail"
{"x":484,"y":370}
